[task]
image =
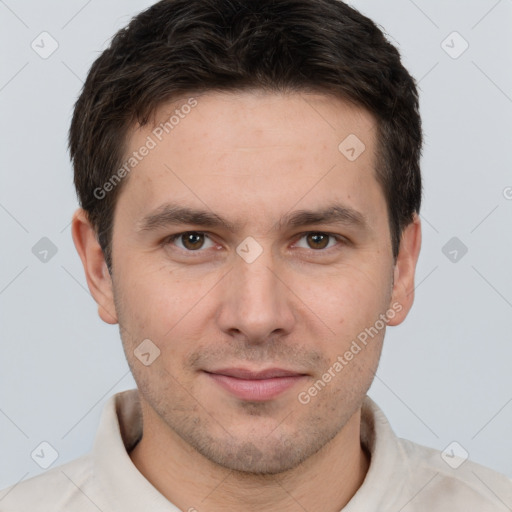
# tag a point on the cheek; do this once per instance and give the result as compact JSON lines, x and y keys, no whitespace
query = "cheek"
{"x":348,"y":299}
{"x":149,"y":303}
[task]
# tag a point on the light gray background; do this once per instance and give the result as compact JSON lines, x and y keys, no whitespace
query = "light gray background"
{"x":445,"y":373}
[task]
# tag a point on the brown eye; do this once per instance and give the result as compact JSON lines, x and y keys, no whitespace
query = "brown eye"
{"x":190,"y":241}
{"x":318,"y":240}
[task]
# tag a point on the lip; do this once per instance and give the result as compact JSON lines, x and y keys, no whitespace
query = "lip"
{"x":259,"y":385}
{"x":246,"y":373}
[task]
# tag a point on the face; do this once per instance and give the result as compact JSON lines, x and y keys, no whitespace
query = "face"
{"x":254,"y":308}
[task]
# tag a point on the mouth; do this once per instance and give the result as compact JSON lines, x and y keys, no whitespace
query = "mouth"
{"x":255,"y":386}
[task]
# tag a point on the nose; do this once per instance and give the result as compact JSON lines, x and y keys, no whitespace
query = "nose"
{"x":256,"y":302}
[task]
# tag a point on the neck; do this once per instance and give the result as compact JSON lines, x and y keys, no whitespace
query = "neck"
{"x":323,"y":483}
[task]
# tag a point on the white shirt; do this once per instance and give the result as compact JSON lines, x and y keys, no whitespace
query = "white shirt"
{"x":403,"y":476}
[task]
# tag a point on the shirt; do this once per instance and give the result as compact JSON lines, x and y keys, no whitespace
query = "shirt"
{"x":402,"y":477}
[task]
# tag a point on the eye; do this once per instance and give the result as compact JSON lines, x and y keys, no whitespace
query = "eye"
{"x":191,"y":241}
{"x":318,"y":240}
{"x":194,"y":241}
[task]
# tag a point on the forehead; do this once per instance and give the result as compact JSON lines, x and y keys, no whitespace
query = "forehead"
{"x":254,"y":151}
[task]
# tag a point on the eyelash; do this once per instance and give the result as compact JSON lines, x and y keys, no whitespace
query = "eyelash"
{"x":340,"y":239}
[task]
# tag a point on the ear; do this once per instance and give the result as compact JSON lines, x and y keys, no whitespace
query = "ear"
{"x":96,"y":271}
{"x":405,"y":267}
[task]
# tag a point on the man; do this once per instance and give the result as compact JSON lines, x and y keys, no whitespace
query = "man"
{"x":249,"y":180}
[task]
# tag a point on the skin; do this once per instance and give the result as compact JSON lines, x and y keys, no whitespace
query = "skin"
{"x":252,"y":157}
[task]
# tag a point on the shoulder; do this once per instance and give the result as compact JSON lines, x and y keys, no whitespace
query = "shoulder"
{"x":410,"y":477}
{"x":68,"y":487}
{"x":446,"y":481}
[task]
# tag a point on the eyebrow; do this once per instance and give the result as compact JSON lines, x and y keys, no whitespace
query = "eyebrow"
{"x":170,"y":214}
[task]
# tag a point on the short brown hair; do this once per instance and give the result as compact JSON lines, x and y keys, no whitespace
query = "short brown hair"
{"x":180,"y":47}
